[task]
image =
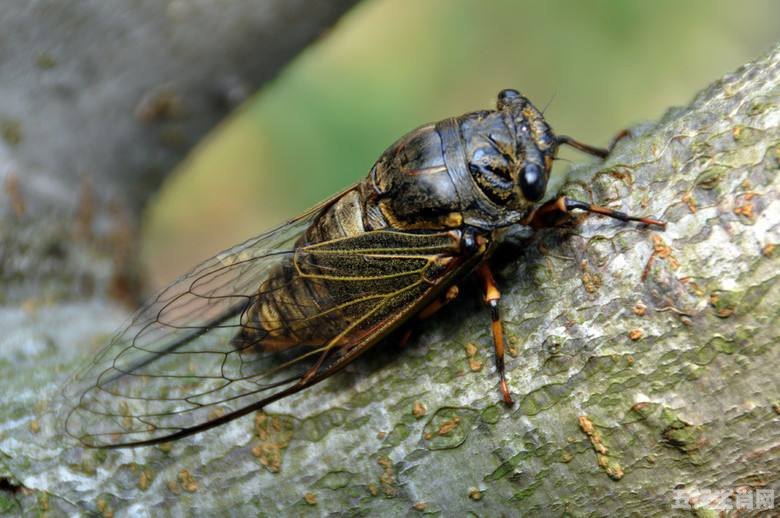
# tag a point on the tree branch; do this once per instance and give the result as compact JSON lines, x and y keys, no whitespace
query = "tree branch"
{"x":643,"y":362}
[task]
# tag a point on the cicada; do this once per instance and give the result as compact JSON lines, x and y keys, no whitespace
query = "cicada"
{"x":289,"y":308}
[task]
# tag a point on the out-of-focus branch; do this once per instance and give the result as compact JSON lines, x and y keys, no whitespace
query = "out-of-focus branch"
{"x":99,"y":99}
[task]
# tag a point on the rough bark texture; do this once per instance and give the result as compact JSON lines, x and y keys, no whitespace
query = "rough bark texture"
{"x":641,"y":362}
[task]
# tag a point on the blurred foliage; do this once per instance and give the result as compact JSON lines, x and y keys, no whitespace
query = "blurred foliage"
{"x":392,"y":65}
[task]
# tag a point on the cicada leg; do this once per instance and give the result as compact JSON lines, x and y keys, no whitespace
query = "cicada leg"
{"x":554,"y":212}
{"x":492,"y":298}
{"x":449,"y":295}
{"x":593,"y":150}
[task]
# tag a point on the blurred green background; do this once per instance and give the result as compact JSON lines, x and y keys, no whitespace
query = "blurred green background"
{"x":392,"y":65}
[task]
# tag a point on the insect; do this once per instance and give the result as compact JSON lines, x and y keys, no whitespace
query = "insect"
{"x":291,"y":307}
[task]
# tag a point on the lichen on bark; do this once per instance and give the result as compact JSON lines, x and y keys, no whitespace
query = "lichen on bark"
{"x":645,"y":362}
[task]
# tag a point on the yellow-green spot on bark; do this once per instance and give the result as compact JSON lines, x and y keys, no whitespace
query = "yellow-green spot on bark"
{"x":334,"y":480}
{"x":165,"y":447}
{"x":543,"y":398}
{"x":722,"y":345}
{"x":397,"y":435}
{"x":448,"y":427}
{"x":644,"y":409}
{"x":509,"y":465}
{"x":683,"y":436}
{"x":526,"y":492}
{"x":104,"y":506}
{"x":675,"y":432}
{"x":743,"y":335}
{"x":490,"y":415}
{"x":724,"y":303}
{"x":316,"y":427}
{"x":754,"y":295}
{"x":7,"y":504}
{"x":556,"y":364}
{"x":43,"y":502}
{"x":100,"y":456}
{"x":704,"y":354}
{"x":598,"y":366}
{"x":11,"y":130}
{"x":91,"y":459}
{"x":600,"y":250}
{"x":775,"y":152}
{"x":692,"y":372}
{"x":745,"y":135}
{"x":758,"y":107}
{"x":710,"y":178}
{"x":701,"y":148}
{"x":45,"y":61}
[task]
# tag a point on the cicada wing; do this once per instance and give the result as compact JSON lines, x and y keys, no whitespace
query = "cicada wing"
{"x":178,"y":368}
{"x":174,"y":340}
{"x":177,"y":346}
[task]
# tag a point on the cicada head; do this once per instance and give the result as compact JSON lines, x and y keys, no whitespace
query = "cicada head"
{"x":511,"y":152}
{"x":535,"y":144}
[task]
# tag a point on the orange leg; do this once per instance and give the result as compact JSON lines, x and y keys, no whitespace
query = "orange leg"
{"x":429,"y":311}
{"x":555,"y":212}
{"x":439,"y":303}
{"x":617,"y":138}
{"x":406,"y":335}
{"x":492,"y":296}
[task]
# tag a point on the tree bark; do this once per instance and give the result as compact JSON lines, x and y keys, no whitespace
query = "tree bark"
{"x":643,"y":363}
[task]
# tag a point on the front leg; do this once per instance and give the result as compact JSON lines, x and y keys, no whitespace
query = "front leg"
{"x":555,"y":212}
{"x":492,"y":297}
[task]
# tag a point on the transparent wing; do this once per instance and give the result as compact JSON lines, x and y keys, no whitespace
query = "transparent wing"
{"x":196,"y":357}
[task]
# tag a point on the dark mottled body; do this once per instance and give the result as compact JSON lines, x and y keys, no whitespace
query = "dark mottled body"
{"x":440,"y":179}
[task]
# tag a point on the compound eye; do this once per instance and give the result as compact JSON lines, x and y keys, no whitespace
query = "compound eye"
{"x":533,"y":182}
{"x":508,"y":94}
{"x":506,"y":97}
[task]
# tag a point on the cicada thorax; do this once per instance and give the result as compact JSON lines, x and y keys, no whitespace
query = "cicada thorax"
{"x":410,"y":186}
{"x":461,"y":171}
